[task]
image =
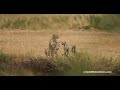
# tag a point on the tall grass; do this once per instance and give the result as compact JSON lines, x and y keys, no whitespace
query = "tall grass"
{"x":58,"y":21}
{"x":76,"y":64}
{"x":4,"y":57}
{"x":73,"y":65}
{"x":109,"y":21}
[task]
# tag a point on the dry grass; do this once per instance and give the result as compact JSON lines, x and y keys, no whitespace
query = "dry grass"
{"x":24,"y":47}
{"x":27,"y":43}
{"x":23,"y":39}
{"x":59,"y":21}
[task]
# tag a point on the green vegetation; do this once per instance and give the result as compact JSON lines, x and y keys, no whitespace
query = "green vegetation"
{"x":26,"y":64}
{"x":4,"y":57}
{"x":76,"y":64}
{"x":59,"y":21}
{"x":73,"y":65}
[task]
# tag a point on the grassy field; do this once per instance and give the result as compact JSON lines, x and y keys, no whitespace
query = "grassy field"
{"x":34,"y":42}
{"x":96,"y":51}
{"x":24,"y":37}
{"x":106,"y":22}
